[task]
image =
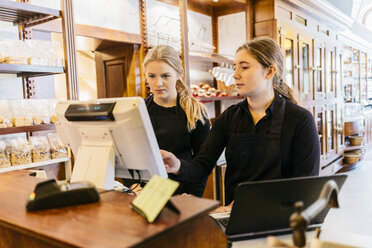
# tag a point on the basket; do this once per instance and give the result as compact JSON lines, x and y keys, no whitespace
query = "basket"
{"x":351,"y":158}
{"x":356,"y":140}
{"x":351,"y":128}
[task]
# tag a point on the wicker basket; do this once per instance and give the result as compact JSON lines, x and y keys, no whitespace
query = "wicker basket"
{"x":351,"y":158}
{"x":351,"y":128}
{"x":356,"y":140}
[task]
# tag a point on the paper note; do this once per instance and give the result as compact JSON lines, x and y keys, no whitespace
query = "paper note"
{"x":154,"y":196}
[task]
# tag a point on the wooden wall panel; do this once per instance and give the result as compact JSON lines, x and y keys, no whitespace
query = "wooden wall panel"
{"x":266,"y":28}
{"x":264,"y":10}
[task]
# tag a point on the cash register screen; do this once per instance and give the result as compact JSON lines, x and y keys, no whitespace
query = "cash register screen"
{"x":125,"y":121}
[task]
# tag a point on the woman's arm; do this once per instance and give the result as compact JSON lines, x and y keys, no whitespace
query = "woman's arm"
{"x":200,"y":167}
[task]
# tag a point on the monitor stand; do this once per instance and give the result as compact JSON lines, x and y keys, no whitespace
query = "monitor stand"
{"x":95,"y":161}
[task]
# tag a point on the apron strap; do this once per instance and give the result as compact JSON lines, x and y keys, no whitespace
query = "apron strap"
{"x":278,"y":117}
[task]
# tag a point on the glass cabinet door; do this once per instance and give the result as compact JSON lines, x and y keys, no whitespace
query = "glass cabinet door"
{"x":338,"y":76}
{"x":363,"y":78}
{"x":318,"y":58}
{"x":348,"y":78}
{"x":330,"y":72}
{"x":288,"y":43}
{"x":369,"y":77}
{"x":339,"y":129}
{"x":319,"y":115}
{"x":288,"y":49}
{"x":305,"y":64}
{"x":330,"y":131}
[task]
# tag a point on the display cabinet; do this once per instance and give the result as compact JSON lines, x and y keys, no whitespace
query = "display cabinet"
{"x":25,"y":15}
{"x":316,"y":71}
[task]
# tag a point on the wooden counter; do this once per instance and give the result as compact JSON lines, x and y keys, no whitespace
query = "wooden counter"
{"x":108,"y":223}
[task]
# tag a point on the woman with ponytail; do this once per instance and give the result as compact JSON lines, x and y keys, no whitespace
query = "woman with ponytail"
{"x":266,"y":136}
{"x":180,"y":122}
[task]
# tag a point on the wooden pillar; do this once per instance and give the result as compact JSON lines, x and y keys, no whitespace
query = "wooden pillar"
{"x":184,"y":40}
{"x":68,"y":31}
{"x":263,"y":19}
{"x":215,"y":31}
{"x":144,"y":44}
{"x":249,"y":21}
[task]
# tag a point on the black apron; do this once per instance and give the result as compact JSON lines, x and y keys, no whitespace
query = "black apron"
{"x":254,"y":156}
{"x":177,"y":137}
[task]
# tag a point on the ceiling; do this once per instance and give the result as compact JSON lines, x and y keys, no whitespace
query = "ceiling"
{"x":353,"y":8}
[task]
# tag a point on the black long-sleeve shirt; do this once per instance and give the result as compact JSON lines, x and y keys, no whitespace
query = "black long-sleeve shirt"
{"x":170,"y":127}
{"x":299,"y":143}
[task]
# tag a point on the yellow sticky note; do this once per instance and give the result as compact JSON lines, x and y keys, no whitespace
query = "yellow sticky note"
{"x":154,"y":196}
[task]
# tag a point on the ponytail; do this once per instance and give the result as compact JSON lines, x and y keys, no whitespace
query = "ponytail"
{"x":194,"y":109}
{"x":283,"y":89}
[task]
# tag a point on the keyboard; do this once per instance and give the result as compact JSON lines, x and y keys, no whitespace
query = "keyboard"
{"x":223,"y":221}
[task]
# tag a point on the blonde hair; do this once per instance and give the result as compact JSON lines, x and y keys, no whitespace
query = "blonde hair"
{"x":268,"y":53}
{"x":194,"y":110}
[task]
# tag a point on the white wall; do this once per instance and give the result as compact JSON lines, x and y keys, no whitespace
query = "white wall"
{"x":163,"y":20}
{"x":231,"y":33}
{"x":120,"y":15}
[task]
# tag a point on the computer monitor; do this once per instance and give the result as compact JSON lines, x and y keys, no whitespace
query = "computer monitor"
{"x":110,"y":138}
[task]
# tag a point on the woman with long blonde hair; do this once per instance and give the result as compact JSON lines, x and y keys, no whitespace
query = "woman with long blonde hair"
{"x":180,"y":121}
{"x":266,"y":136}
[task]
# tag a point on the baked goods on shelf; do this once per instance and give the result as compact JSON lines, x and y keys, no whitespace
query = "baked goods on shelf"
{"x":4,"y":155}
{"x":205,"y":90}
{"x":57,"y":149}
{"x":40,"y":148}
{"x":27,"y":112}
{"x":20,"y":151}
{"x":31,"y":52}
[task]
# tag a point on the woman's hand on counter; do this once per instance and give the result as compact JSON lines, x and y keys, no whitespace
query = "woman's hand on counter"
{"x":171,"y":162}
{"x":223,"y":209}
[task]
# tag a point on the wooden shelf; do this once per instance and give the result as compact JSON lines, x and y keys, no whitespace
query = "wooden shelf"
{"x":206,"y":57}
{"x":26,"y":14}
{"x":33,"y":128}
{"x":348,"y":167}
{"x":33,"y":165}
{"x":31,"y":70}
{"x":218,"y":98}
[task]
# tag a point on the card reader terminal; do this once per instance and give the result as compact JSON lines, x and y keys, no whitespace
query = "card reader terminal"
{"x":49,"y":194}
